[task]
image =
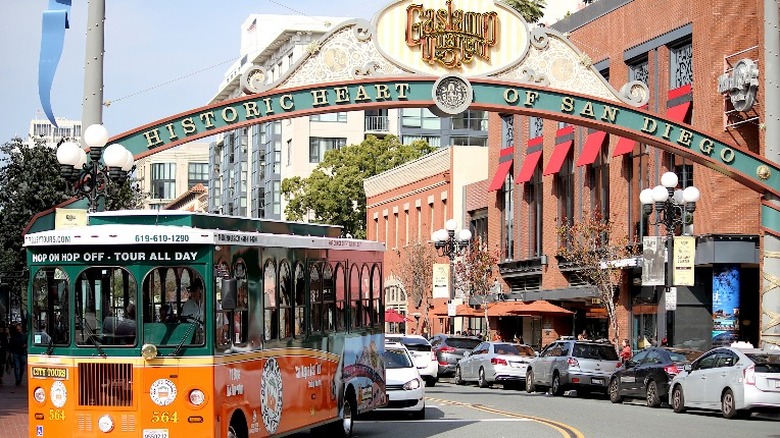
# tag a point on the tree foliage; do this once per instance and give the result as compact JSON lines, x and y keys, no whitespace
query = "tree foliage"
{"x":531,"y":10}
{"x":414,"y":271}
{"x":31,"y":183}
{"x":476,"y":271}
{"x":595,"y":248}
{"x":333,"y":193}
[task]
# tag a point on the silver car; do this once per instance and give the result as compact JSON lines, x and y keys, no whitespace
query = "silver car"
{"x":568,"y":364}
{"x":491,"y":362}
{"x":735,"y":380}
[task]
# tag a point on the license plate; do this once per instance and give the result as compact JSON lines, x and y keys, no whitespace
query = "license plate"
{"x":597,"y":381}
{"x":156,"y":433}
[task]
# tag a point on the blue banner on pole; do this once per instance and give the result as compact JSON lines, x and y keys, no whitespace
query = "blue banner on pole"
{"x":55,"y":21}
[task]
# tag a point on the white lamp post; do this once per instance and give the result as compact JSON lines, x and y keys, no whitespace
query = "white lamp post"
{"x":87,"y":175}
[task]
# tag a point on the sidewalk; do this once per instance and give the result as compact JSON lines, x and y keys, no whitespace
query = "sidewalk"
{"x":13,"y":408}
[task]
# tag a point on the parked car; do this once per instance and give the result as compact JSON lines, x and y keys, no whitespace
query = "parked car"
{"x":572,"y":364}
{"x":494,"y":362}
{"x":405,"y":388}
{"x":648,"y":373}
{"x":735,"y":380}
{"x":449,"y":350}
{"x":422,"y":354}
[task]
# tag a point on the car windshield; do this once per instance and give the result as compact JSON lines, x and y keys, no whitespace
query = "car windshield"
{"x":416,"y":344}
{"x":525,"y":350}
{"x":466,"y":343}
{"x":396,"y":358}
{"x":597,"y":352}
{"x":765,"y":363}
{"x":506,"y":349}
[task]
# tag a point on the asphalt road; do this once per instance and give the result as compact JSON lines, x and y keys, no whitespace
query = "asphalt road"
{"x":472,"y":412}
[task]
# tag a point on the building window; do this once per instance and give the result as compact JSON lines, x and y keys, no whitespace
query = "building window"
{"x":507,"y":131}
{"x":533,"y":196}
{"x":319,"y":145}
{"x":470,"y":119}
{"x":289,"y":152}
{"x":564,"y":186}
{"x":419,"y":118}
{"x":197,"y":173}
{"x":681,"y":65}
{"x":469,"y":141}
{"x":684,"y":174}
{"x":340,"y":117}
{"x":536,"y":127}
{"x":639,"y":72}
{"x":163,"y":180}
{"x":508,"y":218}
{"x":599,"y":185}
{"x":432,"y":141}
{"x":479,"y":225}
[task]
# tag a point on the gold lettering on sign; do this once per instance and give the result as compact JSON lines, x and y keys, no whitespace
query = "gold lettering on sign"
{"x":451,"y":37}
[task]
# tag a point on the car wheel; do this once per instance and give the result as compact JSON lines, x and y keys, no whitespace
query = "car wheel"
{"x":614,"y":391}
{"x":458,"y":377}
{"x":431,"y":381}
{"x":651,"y":395}
{"x":483,"y":383}
{"x":419,"y":415}
{"x":529,"y":382}
{"x":728,"y":406}
{"x":556,"y":387}
{"x":678,"y":400}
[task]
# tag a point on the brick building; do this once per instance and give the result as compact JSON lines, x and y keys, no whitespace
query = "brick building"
{"x":542,"y":171}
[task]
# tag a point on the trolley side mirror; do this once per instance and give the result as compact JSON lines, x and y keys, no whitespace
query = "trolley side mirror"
{"x":229,"y":287}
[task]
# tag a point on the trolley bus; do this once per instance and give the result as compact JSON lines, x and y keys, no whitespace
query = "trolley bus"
{"x":179,"y":324}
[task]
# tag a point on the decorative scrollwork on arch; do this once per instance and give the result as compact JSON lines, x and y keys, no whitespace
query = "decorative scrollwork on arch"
{"x":539,"y":38}
{"x":530,"y":76}
{"x":368,"y":69}
{"x":635,"y":93}
{"x":363,"y":30}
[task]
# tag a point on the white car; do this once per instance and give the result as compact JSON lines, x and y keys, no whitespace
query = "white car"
{"x":735,"y":380}
{"x":495,"y":362}
{"x":405,"y":388}
{"x":422,"y":353}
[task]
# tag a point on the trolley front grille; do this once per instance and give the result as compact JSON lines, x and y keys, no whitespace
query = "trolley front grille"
{"x":105,"y":384}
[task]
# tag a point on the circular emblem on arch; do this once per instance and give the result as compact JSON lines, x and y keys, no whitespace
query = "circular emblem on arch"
{"x":271,"y":395}
{"x":763,"y":172}
{"x":452,"y":94}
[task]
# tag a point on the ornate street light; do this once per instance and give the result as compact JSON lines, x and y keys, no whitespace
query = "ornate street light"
{"x":673,"y":208}
{"x":447,"y":245}
{"x":90,"y":177}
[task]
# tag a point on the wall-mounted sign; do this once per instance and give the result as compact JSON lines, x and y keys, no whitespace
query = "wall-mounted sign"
{"x":741,"y":84}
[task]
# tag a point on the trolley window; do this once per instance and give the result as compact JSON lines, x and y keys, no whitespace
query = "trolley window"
{"x":50,"y":307}
{"x":106,"y":307}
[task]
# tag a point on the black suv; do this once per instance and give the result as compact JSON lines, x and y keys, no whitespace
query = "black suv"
{"x":449,"y":350}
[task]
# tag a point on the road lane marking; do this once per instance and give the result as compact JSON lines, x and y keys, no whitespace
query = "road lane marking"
{"x":564,"y":429}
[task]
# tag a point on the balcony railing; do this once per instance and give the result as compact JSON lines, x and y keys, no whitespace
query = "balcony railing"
{"x":376,"y":123}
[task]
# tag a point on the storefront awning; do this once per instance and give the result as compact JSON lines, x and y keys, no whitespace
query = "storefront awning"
{"x":624,"y":146}
{"x":558,"y":156}
{"x":529,"y":166}
{"x":679,"y":104}
{"x":592,"y":148}
{"x":504,"y":308}
{"x":500,"y":176}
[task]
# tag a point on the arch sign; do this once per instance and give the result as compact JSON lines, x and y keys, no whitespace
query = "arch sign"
{"x":450,"y":55}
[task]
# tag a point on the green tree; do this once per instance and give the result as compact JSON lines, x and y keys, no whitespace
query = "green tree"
{"x":476,"y":270}
{"x":334,"y":193}
{"x":531,"y":10}
{"x":596,"y":249}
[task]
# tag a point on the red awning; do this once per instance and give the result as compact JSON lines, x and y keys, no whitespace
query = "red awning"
{"x":500,"y":176}
{"x":592,"y":148}
{"x":529,"y":166}
{"x":558,"y":156}
{"x":624,"y":146}
{"x":680,"y":113}
{"x":519,"y":308}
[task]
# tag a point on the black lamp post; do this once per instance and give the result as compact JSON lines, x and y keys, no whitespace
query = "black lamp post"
{"x":447,"y":245}
{"x":88,"y":176}
{"x":672,"y":208}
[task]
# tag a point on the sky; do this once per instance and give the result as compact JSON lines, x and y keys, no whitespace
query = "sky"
{"x":162,"y":57}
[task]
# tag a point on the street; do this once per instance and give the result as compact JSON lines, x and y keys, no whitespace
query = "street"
{"x":473,"y":412}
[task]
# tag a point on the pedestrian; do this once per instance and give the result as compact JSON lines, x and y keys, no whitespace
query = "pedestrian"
{"x":17,"y":345}
{"x":625,"y":352}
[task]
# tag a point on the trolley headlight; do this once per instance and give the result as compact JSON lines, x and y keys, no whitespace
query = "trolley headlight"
{"x":412,"y":384}
{"x":106,"y":424}
{"x":40,"y":395}
{"x":197,"y":397}
{"x":149,"y":351}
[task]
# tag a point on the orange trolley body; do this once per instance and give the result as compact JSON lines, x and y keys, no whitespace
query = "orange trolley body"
{"x":289,"y":335}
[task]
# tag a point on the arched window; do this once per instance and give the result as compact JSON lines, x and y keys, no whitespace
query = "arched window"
{"x":354,"y":293}
{"x":286,"y":304}
{"x":339,"y":280}
{"x":271,"y":316}
{"x":300,"y":301}
{"x":315,"y":291}
{"x":365,"y":288}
